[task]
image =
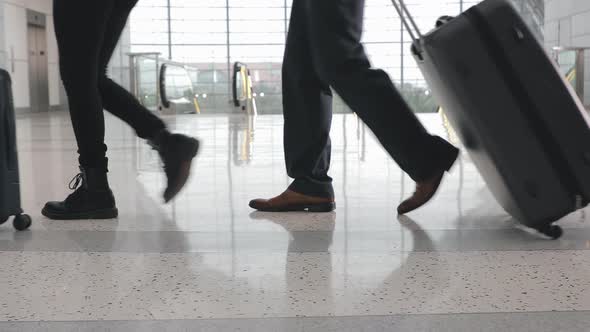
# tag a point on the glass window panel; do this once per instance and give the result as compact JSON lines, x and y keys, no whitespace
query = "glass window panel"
{"x":257,"y":30}
{"x":200,"y":53}
{"x":198,"y":38}
{"x":257,"y":53}
{"x":149,"y":38}
{"x":143,"y":48}
{"x":255,"y":13}
{"x":261,"y":26}
{"x":198,"y":13}
{"x":258,"y":38}
{"x":202,"y":27}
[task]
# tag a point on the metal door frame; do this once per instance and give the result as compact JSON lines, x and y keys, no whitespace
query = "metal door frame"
{"x":38,"y":62}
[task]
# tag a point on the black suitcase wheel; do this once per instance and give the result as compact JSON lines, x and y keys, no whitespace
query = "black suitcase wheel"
{"x":22,"y":222}
{"x":552,"y":231}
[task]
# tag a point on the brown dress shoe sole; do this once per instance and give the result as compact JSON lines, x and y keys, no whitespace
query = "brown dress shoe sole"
{"x":404,"y":209}
{"x":401,"y":209}
{"x":317,"y":208}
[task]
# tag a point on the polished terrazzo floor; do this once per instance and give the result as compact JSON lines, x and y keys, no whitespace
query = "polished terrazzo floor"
{"x":209,"y":263}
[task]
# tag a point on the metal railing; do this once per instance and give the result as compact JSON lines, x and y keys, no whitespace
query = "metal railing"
{"x":172,"y":87}
{"x":243,"y":91}
{"x":162,"y":85}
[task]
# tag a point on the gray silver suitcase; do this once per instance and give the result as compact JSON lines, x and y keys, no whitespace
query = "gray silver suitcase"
{"x":9,"y":178}
{"x":523,"y":126}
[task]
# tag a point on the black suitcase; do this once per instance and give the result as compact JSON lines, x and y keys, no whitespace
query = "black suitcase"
{"x":522,"y":124}
{"x":9,"y":179}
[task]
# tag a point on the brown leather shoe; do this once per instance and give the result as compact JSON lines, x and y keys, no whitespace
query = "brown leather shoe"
{"x":290,"y":201}
{"x":425,"y":190}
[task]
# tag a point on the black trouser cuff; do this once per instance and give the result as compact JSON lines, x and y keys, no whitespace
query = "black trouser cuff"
{"x":311,"y":187}
{"x":442,"y":156}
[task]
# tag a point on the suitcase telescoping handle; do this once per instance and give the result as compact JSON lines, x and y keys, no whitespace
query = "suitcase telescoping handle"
{"x":407,"y":19}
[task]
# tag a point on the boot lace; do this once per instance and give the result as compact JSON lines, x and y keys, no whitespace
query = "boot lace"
{"x":76,"y":181}
{"x":79,"y":194}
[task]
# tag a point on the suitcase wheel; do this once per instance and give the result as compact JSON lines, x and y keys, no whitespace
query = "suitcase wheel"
{"x":22,"y":222}
{"x":552,"y":231}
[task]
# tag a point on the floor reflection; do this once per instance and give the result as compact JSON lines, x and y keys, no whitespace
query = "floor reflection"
{"x":241,"y":139}
{"x":209,"y":255}
{"x":299,"y":277}
{"x":242,"y":158}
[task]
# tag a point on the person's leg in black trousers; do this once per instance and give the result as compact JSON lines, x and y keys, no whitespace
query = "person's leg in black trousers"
{"x":116,"y":99}
{"x":334,"y":29}
{"x":80,"y":38}
{"x":176,"y":150}
{"x":307,"y":109}
{"x":85,"y":44}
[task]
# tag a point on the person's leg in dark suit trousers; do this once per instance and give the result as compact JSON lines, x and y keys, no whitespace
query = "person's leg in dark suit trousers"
{"x":324,"y":51}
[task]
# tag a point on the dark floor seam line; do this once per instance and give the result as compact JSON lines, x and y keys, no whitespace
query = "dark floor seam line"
{"x":262,"y":251}
{"x":314,"y":317}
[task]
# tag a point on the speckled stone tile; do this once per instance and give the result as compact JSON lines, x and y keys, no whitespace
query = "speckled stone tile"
{"x":96,"y":286}
{"x":209,"y":256}
{"x":288,"y":241}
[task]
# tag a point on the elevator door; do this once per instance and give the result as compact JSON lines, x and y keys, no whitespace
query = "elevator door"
{"x":38,"y":74}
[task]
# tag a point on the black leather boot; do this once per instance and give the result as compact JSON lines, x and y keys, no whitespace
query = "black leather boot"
{"x":92,"y":198}
{"x":177,"y":152}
